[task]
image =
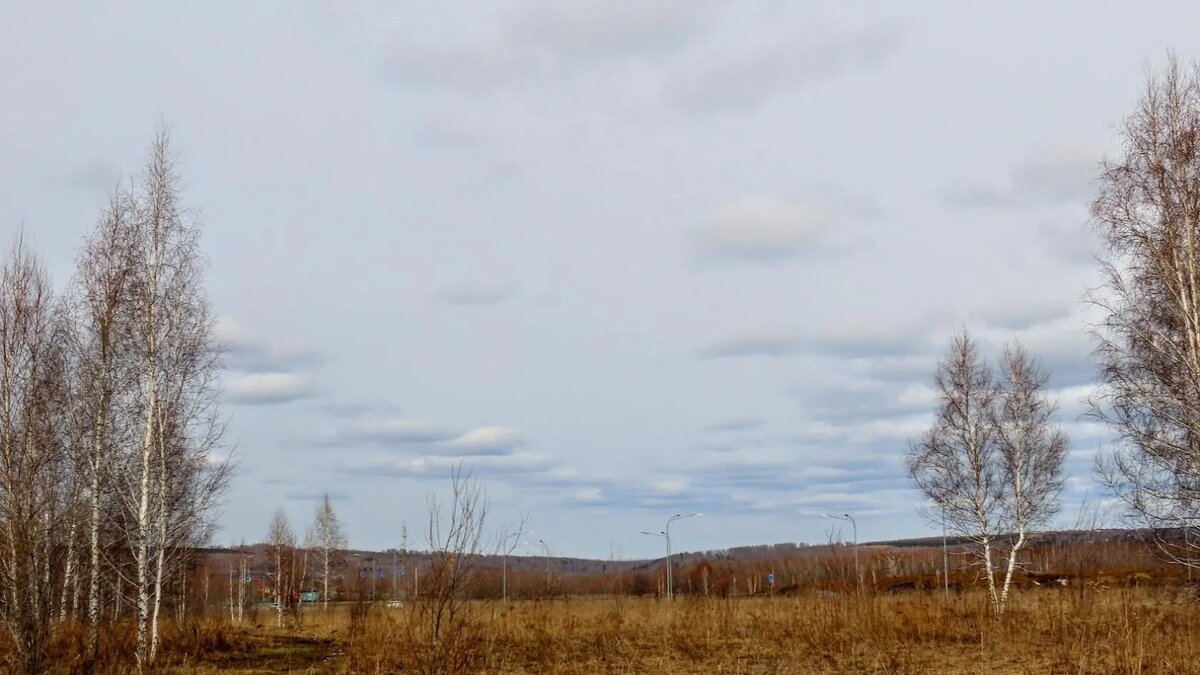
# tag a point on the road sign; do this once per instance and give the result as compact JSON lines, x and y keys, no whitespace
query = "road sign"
{"x":771,"y":578}
{"x":308,"y":596}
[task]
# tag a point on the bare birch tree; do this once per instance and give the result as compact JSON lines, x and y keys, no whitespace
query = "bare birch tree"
{"x":1147,"y":214}
{"x":33,"y":452}
{"x":1032,"y":451}
{"x":101,"y":304}
{"x":281,"y":545}
{"x":173,"y":475}
{"x":956,"y":464}
{"x":328,"y":543}
{"x":992,"y":461}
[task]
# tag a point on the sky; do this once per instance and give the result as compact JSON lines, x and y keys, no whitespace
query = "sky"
{"x":621,"y":259}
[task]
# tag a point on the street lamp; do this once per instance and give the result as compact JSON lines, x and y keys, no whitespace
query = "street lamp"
{"x":504,"y":550}
{"x":666,"y":534}
{"x":847,"y":516}
{"x":546,"y":548}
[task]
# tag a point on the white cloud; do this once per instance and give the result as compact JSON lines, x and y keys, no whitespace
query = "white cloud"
{"x":515,"y":464}
{"x":670,"y":487}
{"x":390,"y":431}
{"x":1060,"y":173}
{"x":763,"y":229}
{"x":589,"y":495}
{"x":747,"y":78}
{"x":268,"y":388}
{"x":486,"y":441}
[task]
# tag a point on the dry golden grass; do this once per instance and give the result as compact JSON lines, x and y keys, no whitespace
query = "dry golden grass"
{"x":1147,"y":630}
{"x":1119,"y":631}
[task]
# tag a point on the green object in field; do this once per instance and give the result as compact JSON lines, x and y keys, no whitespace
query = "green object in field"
{"x":308,"y":596}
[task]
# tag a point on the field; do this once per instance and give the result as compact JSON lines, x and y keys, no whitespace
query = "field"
{"x":1122,"y":630}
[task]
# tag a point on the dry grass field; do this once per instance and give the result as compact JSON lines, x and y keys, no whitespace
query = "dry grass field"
{"x":1125,"y":630}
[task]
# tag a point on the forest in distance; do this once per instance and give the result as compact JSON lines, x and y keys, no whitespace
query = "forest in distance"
{"x":116,"y":462}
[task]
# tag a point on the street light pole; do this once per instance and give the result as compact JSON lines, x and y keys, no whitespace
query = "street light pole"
{"x":667,"y":534}
{"x":546,"y":548}
{"x":847,"y":516}
{"x":664,"y":536}
{"x":504,"y":564}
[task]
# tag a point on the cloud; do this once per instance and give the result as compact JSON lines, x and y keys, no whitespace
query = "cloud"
{"x":269,"y":388}
{"x":310,"y":495}
{"x":763,"y":229}
{"x":846,"y":342}
{"x":545,"y":38}
{"x":241,"y":351}
{"x":95,"y":176}
{"x":1071,"y":242}
{"x":737,"y":424}
{"x":423,"y":438}
{"x":390,"y":432}
{"x":354,"y":409}
{"x":590,"y":495}
{"x":1061,"y":173}
{"x":747,"y":79}
{"x":760,"y":341}
{"x":598,"y":29}
{"x":485,"y":441}
{"x":474,"y":66}
{"x":1023,"y":312}
{"x":475,"y":293}
{"x":516,"y":464}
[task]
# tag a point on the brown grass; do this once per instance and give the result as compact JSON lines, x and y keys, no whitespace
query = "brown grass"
{"x":1122,"y":631}
{"x":1126,"y":630}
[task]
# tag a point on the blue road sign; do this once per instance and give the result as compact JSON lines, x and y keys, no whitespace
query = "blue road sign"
{"x":771,"y":578}
{"x":382,"y":574}
{"x":362,"y":574}
{"x":400,"y":572}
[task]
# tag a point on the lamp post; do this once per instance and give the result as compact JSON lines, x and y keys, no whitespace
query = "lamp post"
{"x":546,"y":548}
{"x":504,"y":550}
{"x":666,"y":534}
{"x":847,"y":516}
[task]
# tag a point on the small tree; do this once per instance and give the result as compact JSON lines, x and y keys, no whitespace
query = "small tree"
{"x":327,"y":540}
{"x":443,"y":635}
{"x":1032,"y":452}
{"x":281,"y":544}
{"x":991,"y":463}
{"x":956,"y":464}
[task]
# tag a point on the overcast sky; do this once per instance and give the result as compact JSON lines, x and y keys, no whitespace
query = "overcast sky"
{"x":624,"y":259}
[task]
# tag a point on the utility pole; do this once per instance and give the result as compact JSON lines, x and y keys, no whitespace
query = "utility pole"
{"x":404,"y":543}
{"x":847,"y":516}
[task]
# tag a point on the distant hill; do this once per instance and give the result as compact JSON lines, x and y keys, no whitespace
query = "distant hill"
{"x":569,"y":565}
